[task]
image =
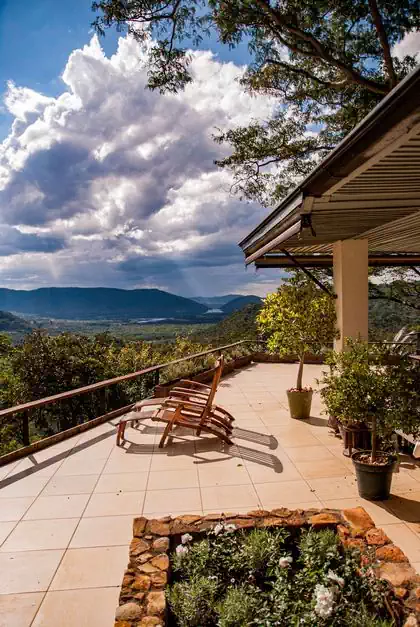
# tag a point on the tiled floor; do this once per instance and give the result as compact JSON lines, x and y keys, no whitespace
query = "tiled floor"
{"x":66,"y":512}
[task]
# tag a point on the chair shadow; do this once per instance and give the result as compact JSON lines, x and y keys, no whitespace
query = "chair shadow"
{"x":253,"y":436}
{"x":402,"y":507}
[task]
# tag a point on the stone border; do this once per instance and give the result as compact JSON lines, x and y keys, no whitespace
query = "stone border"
{"x":142,"y":601}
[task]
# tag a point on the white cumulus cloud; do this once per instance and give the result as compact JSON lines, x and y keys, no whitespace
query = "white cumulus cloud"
{"x":112,"y":184}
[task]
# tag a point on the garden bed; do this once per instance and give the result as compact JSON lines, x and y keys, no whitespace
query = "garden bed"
{"x":282,"y":567}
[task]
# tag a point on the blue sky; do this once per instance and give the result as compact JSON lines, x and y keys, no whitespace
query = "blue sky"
{"x":37,"y":36}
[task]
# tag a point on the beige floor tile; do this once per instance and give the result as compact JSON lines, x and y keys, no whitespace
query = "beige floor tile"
{"x":5,"y":529}
{"x":277,"y":494}
{"x":405,"y":538}
{"x":162,"y":461}
{"x":28,"y":486}
{"x":65,"y":506}
{"x":74,"y":466}
{"x":70,"y":484}
{"x":403,"y":483}
{"x":97,"y":567}
{"x":187,"y":499}
{"x":103,"y":531}
{"x":14,"y":509}
{"x":222,"y":474}
{"x":127,"y":463}
{"x":283,"y":471}
{"x":93,"y":607}
{"x":122,"y":482}
{"x":110,"y":504}
{"x":308,"y":453}
{"x":327,"y":488}
{"x":27,"y":571}
{"x":322,"y":468}
{"x":35,"y":535}
{"x":294,"y":437}
{"x":7,"y":469}
{"x":18,"y":610}
{"x":173,"y":479}
{"x":34,"y":467}
{"x":226,"y":498}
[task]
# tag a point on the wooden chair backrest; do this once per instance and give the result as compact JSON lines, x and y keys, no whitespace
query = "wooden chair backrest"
{"x":214,"y":385}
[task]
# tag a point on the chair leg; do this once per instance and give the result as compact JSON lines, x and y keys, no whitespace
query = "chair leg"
{"x":120,"y":432}
{"x":165,"y":434}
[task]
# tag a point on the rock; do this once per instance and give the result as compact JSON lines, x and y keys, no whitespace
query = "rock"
{"x":411,"y":621}
{"x":147,"y":568}
{"x":140,"y":596}
{"x":161,"y":545}
{"x":142,"y":582}
{"x":377,"y":537}
{"x":354,"y":543}
{"x":127,"y":579}
{"x":241,"y":523}
{"x":159,"y":579}
{"x":259,"y":513}
{"x":156,"y":603}
{"x":400,"y":592}
{"x":398,"y":574}
{"x":390,"y":553}
{"x":161,"y":562}
{"x":187,"y":519}
{"x":323,"y":519}
{"x":139,"y":525}
{"x":144,"y":557}
{"x":296,"y":520}
{"x":417,"y":593}
{"x":151,"y":621}
{"x":212,"y":517}
{"x":122,"y":623}
{"x":128,"y":611}
{"x":158,"y":527}
{"x":342,"y":531}
{"x":138,"y":546}
{"x":359,"y":520}
{"x":273,"y":521}
{"x":283,"y":512}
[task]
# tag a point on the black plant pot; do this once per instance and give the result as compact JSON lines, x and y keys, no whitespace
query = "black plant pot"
{"x":374,"y":481}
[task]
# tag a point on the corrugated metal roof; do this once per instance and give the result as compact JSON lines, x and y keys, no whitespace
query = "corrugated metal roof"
{"x":368,"y":187}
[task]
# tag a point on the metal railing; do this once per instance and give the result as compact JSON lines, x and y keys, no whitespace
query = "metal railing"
{"x":26,"y":409}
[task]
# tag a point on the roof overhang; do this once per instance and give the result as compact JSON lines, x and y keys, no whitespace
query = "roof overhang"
{"x":368,"y":187}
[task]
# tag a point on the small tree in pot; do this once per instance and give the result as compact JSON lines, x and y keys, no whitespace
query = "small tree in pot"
{"x":297,"y":320}
{"x":366,"y":388}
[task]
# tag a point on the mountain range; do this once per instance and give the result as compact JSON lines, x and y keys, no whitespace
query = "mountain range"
{"x":78,"y":303}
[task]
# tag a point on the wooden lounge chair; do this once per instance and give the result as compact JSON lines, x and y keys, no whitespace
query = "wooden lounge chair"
{"x":187,"y":408}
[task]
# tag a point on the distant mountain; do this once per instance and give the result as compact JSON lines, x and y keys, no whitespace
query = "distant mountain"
{"x":217,"y":302}
{"x":239,"y":303}
{"x":78,"y":303}
{"x":9,"y":323}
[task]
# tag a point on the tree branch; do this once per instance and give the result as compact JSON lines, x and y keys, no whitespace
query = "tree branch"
{"x":309,"y":75}
{"x":377,"y":20}
{"x":321,"y":51}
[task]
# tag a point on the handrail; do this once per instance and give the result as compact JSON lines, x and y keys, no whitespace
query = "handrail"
{"x":42,"y":402}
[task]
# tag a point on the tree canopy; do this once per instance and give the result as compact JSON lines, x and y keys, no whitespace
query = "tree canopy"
{"x":328,"y":62}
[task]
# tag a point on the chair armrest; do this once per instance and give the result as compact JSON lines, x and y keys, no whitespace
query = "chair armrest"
{"x":188,"y":393}
{"x":193,"y":384}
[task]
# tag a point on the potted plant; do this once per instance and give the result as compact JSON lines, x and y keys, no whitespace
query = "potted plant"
{"x":383,"y":395}
{"x":344,"y":392}
{"x":296,"y":320}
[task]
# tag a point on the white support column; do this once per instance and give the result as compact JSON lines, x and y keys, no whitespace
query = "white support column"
{"x":350,"y":259}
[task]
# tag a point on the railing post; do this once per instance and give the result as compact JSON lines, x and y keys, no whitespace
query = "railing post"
{"x":25,"y":429}
{"x":418,"y":343}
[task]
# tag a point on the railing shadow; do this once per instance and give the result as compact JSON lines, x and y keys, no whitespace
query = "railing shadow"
{"x":54,"y":459}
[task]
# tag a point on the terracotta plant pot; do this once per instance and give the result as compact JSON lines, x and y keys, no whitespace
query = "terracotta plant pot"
{"x":374,"y":481}
{"x":300,"y":402}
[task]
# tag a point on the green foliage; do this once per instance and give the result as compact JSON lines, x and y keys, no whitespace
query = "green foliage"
{"x":297,"y":319}
{"x":242,"y":579}
{"x":327,"y":63}
{"x":194,"y":601}
{"x":365,"y":385}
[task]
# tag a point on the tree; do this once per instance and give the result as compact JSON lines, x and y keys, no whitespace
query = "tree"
{"x":299,"y":318}
{"x":328,"y":62}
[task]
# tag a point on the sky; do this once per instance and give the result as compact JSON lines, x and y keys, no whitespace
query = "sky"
{"x":104,"y":183}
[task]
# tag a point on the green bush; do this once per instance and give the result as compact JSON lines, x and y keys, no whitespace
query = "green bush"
{"x":194,"y":601}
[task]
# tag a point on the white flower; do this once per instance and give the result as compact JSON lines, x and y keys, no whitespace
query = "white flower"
{"x":230,"y":528}
{"x":181,"y":550}
{"x":232,"y":580}
{"x":213,"y":578}
{"x":333,"y":577}
{"x":186,"y":538}
{"x":218,"y":528}
{"x":324,"y":601}
{"x":284,"y":562}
